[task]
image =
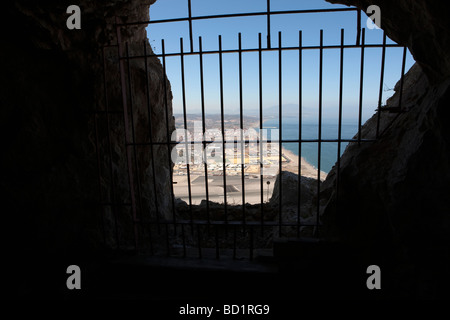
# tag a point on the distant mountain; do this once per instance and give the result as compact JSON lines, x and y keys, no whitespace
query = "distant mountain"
{"x":309,"y":114}
{"x":289,"y":110}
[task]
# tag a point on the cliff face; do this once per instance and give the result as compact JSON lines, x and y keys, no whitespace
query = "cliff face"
{"x":423,"y":26}
{"x":52,"y":83}
{"x":393,"y":196}
{"x":393,"y":205}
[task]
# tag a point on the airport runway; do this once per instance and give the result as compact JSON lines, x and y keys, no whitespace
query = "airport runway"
{"x":216,"y":190}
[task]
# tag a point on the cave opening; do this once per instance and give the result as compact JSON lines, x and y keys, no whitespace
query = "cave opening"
{"x":227,"y":147}
{"x":89,"y":113}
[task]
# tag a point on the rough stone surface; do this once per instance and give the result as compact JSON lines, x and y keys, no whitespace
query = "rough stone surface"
{"x":421,"y":25}
{"x":392,"y":204}
{"x":52,"y":82}
{"x":289,"y":206}
{"x":290,"y":195}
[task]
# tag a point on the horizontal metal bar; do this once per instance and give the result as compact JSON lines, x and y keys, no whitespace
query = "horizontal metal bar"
{"x":236,"y":15}
{"x":103,"y":112}
{"x":224,"y":223}
{"x":350,"y":46}
{"x":106,"y":204}
{"x":253,"y":141}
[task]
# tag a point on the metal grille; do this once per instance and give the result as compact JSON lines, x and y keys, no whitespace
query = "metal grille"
{"x":200,"y":235}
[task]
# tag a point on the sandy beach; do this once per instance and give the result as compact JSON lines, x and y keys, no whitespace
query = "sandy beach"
{"x":307,"y":169}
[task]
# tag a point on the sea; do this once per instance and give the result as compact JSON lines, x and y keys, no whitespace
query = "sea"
{"x":309,"y":150}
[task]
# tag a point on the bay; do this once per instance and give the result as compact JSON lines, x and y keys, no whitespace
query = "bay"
{"x":309,"y":150}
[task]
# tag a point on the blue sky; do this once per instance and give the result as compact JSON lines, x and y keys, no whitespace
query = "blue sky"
{"x":289,"y":25}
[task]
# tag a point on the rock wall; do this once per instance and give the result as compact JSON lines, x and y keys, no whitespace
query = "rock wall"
{"x":52,"y":82}
{"x":290,"y":197}
{"x":421,"y":25}
{"x":392,"y":205}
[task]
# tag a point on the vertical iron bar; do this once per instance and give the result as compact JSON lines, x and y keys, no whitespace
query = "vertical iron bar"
{"x":358,"y":27}
{"x":380,"y":97}
{"x":199,"y":242}
{"x":169,"y":146}
{"x":111,"y":171}
{"x":149,"y":111}
{"x":133,"y":136}
{"x":251,"y":242}
{"x":341,"y":86}
{"x":319,"y":151}
{"x":268,"y":25}
{"x":205,"y":160}
{"x":223,"y":130}
{"x":127,"y":133}
{"x":300,"y":121}
{"x":150,"y":233}
{"x":234,"y":242}
{"x":361,"y":87}
{"x":216,"y":229}
{"x":191,"y":38}
{"x":241,"y":118}
{"x":167,"y":240}
{"x":261,"y":140}
{"x":280,"y":123}
{"x":99,"y":176}
{"x":184,"y":240}
{"x":188,"y":145}
{"x":402,"y":79}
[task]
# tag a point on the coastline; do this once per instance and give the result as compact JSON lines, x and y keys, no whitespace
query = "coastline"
{"x":307,"y":169}
{"x":252,"y":184}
